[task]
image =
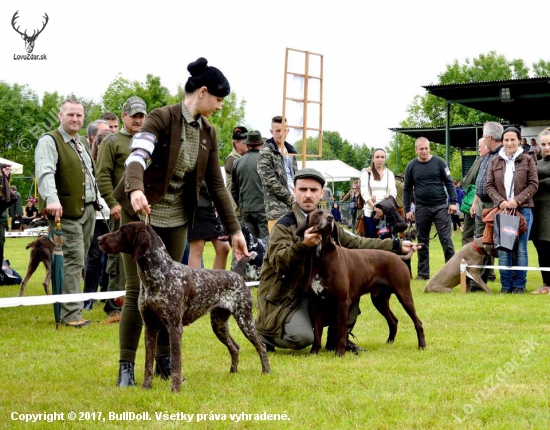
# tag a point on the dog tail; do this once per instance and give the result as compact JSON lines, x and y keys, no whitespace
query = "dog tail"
{"x":409,"y":254}
{"x":241,"y":265}
{"x":33,"y":245}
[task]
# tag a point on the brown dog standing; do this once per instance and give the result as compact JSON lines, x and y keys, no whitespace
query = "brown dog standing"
{"x":347,"y":274}
{"x":41,"y":252}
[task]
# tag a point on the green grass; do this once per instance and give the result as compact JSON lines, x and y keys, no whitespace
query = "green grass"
{"x":485,"y":366}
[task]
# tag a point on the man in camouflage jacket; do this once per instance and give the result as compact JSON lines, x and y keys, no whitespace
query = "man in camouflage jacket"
{"x":277,"y":168}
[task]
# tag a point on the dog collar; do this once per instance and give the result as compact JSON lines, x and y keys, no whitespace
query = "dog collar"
{"x":478,"y":249}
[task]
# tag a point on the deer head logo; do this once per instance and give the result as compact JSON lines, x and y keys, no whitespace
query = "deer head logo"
{"x":29,"y":40}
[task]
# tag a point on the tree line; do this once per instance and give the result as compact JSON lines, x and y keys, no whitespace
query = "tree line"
{"x":24,"y":116}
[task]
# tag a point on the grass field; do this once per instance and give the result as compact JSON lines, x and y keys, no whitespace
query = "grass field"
{"x":486,"y":366}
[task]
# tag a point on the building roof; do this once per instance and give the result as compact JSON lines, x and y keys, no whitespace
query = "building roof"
{"x":522,"y":102}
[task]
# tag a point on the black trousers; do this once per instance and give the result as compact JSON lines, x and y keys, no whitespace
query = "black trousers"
{"x":543,"y":250}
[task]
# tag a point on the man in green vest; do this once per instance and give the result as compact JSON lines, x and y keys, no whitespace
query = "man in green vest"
{"x":67,"y":192}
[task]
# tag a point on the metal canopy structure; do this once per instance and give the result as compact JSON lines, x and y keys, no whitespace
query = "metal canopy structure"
{"x":464,"y":136}
{"x":520,"y":101}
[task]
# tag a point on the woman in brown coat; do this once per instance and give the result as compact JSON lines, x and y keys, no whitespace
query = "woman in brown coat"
{"x":511,"y":183}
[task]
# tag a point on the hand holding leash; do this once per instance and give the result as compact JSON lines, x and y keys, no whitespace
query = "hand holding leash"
{"x":139,"y":202}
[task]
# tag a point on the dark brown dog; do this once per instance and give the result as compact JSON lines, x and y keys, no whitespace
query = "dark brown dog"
{"x":449,"y":276}
{"x":347,"y":274}
{"x":176,"y":295}
{"x":41,"y":252}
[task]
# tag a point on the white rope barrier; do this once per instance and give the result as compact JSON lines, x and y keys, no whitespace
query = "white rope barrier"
{"x":10,"y":302}
{"x":544,"y":269}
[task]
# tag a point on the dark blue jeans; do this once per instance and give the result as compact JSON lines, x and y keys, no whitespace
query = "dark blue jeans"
{"x":516,"y":278}
{"x":424,"y":217}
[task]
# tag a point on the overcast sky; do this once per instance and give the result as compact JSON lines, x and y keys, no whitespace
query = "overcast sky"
{"x":377,"y":54}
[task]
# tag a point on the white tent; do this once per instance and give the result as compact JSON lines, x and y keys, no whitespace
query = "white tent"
{"x":334,"y":170}
{"x":16,"y":168}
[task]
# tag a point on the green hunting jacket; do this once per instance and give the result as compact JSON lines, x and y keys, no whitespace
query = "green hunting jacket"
{"x":471,"y":176}
{"x":113,"y":152}
{"x":283,"y":275}
{"x":230,"y":161}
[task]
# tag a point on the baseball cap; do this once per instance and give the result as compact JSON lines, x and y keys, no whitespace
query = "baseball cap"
{"x":134,"y":105}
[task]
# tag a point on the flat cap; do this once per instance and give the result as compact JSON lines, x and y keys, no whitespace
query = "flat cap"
{"x":309,"y":173}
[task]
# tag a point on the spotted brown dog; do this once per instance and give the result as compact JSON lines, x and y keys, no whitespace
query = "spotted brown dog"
{"x":344,"y":275}
{"x":176,"y":295}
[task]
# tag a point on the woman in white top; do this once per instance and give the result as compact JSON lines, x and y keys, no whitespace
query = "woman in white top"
{"x":377,"y":184}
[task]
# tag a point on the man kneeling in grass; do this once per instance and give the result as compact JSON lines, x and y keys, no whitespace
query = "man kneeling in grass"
{"x":283,"y":319}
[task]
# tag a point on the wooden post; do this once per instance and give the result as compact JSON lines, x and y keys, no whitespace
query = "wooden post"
{"x":463,"y":276}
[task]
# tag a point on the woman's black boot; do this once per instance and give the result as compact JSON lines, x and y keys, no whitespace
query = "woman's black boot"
{"x":126,"y":374}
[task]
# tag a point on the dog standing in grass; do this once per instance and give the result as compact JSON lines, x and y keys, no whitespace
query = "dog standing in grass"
{"x":41,"y":252}
{"x":175,"y":295}
{"x":341,"y":276}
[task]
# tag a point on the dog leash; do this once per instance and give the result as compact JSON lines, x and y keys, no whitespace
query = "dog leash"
{"x":438,"y":230}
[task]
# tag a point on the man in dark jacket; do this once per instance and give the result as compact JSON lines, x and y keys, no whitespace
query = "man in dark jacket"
{"x":427,"y":177}
{"x":283,"y":319}
{"x":246,"y":187}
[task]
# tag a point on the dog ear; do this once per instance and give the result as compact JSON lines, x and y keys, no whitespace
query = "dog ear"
{"x":302,"y":227}
{"x":490,"y":250}
{"x":142,"y":242}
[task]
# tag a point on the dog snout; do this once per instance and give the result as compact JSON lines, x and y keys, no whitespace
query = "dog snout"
{"x":103,"y":243}
{"x":101,"y":239}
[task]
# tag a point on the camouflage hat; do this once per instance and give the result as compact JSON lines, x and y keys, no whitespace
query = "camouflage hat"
{"x":134,"y":105}
{"x":309,"y":173}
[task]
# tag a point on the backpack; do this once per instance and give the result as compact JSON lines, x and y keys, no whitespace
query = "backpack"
{"x":8,"y":276}
{"x":468,"y":199}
